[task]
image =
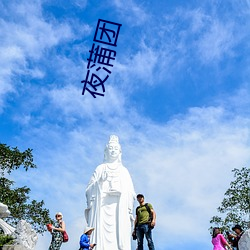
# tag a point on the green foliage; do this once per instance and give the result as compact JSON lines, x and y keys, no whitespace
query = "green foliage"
{"x":17,"y":199}
{"x":12,"y":159}
{"x":235,"y":206}
{"x":6,"y":240}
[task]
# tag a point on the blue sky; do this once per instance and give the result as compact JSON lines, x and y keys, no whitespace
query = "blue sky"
{"x":178,"y":98}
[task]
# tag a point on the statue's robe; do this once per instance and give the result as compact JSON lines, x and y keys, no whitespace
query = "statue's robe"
{"x":110,"y":197}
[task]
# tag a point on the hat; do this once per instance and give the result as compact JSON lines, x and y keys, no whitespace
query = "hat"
{"x":87,"y":229}
{"x":59,"y":213}
{"x":237,"y":227}
{"x":140,"y":195}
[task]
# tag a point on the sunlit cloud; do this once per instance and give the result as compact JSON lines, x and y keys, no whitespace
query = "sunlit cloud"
{"x":28,"y":40}
{"x":216,"y":42}
{"x":131,"y":11}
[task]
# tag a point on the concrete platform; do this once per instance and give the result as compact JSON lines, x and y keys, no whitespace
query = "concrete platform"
{"x":13,"y":247}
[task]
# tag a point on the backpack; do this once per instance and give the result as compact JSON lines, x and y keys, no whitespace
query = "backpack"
{"x":149,"y":212}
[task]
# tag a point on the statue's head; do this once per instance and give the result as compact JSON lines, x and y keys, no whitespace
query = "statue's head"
{"x":113,"y":150}
{"x":4,"y":211}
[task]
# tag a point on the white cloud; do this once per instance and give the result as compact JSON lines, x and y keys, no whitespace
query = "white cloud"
{"x":139,"y":69}
{"x":24,"y":37}
{"x":239,"y":102}
{"x":198,"y":19}
{"x":217,"y":42}
{"x":131,"y":12}
{"x":72,"y":103}
{"x":200,"y":33}
{"x":32,"y":33}
{"x":80,"y":3}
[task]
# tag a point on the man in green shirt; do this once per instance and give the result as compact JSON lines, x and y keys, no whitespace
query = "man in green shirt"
{"x":144,"y":223}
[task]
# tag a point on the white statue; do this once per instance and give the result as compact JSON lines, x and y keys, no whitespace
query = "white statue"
{"x":110,"y":197}
{"x":4,"y":212}
{"x":25,"y":235}
{"x":244,"y":242}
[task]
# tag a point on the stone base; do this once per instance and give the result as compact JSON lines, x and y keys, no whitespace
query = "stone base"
{"x":244,"y":242}
{"x":13,"y":247}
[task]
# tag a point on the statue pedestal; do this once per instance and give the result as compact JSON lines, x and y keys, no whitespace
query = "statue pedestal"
{"x":13,"y":247}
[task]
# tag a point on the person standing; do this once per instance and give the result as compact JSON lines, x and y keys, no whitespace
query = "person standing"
{"x":56,"y":231}
{"x":218,"y":240}
{"x":143,"y":225}
{"x":85,"y":239}
{"x":239,"y":231}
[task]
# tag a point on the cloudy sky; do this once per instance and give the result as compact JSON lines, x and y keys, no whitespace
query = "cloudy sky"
{"x":178,"y":98}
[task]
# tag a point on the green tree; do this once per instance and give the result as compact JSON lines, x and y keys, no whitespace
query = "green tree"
{"x":235,"y":207}
{"x":17,"y":199}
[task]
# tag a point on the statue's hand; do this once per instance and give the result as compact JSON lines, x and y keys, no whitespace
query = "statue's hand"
{"x":132,"y":217}
{"x":90,"y":202}
{"x":89,"y":205}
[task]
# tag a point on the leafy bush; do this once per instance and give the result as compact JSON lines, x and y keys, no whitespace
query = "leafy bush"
{"x":6,"y":240}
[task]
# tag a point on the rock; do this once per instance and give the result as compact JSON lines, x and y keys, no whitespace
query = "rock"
{"x":25,"y":235}
{"x":13,"y":247}
{"x":244,"y":242}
